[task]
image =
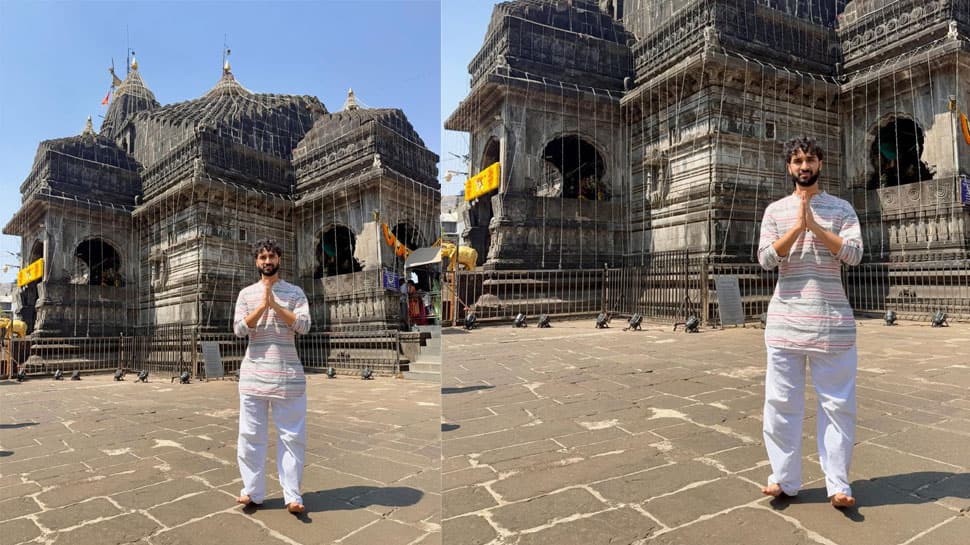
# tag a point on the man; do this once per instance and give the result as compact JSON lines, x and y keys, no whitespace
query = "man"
{"x":808,"y":235}
{"x":270,"y":312}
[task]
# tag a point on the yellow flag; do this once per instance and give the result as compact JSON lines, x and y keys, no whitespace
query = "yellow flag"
{"x":30,"y":273}
{"x":484,"y":182}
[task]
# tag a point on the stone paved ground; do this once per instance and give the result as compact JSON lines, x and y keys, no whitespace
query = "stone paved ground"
{"x":572,"y":435}
{"x":99,"y":462}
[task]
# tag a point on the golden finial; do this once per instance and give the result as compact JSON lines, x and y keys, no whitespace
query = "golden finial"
{"x":88,"y":128}
{"x":351,"y":102}
{"x":134,"y":61}
{"x":225,"y":65}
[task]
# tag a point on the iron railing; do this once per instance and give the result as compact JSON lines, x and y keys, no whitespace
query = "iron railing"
{"x":669,"y":286}
{"x":499,"y":295}
{"x":915,"y":291}
{"x":167,"y":351}
{"x":674,"y":285}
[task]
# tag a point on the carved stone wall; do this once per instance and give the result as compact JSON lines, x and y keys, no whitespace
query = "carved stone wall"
{"x":706,"y":152}
{"x":873,"y":31}
{"x":531,"y":219}
{"x":194,"y":252}
{"x":66,"y":300}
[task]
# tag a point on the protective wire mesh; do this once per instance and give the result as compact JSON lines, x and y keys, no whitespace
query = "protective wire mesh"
{"x":682,"y":111}
{"x":149,"y":223}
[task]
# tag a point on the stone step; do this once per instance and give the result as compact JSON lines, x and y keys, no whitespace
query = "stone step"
{"x":425,"y":367}
{"x":423,"y":376}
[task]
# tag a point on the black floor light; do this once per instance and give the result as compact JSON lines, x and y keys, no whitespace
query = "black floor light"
{"x":544,"y":320}
{"x":519,"y":320}
{"x":635,"y":321}
{"x":331,"y":372}
{"x":691,"y":325}
{"x":470,"y":320}
{"x":890,"y":317}
{"x":602,"y":320}
{"x":58,"y":375}
{"x":367,"y":373}
{"x":76,"y":375}
{"x":143,"y":375}
{"x":120,"y":374}
{"x":939,"y":319}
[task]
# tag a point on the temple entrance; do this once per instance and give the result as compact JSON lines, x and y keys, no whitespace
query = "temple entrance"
{"x":896,"y":154}
{"x":28,"y":294}
{"x":574,"y":170}
{"x":480,"y":212}
{"x":99,"y":264}
{"x":334,"y":252}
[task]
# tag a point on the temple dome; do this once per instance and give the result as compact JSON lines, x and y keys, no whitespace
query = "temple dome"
{"x":87,"y":146}
{"x":86,"y":164}
{"x":130,"y":97}
{"x":356,"y":140}
{"x":572,"y":42}
{"x":269,"y":123}
{"x":227,"y":85}
{"x":331,"y":127}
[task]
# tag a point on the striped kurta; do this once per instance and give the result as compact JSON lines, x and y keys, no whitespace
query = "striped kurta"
{"x":271,"y":367}
{"x":809,"y":310}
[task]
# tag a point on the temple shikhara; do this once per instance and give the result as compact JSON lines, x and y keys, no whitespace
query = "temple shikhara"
{"x":149,"y":220}
{"x":626,"y":130}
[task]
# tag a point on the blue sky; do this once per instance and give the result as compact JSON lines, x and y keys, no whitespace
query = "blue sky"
{"x":463,"y":25}
{"x":54,"y":58}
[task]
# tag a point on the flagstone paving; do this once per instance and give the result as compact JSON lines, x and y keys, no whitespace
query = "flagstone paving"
{"x":100,"y":462}
{"x":573,"y":435}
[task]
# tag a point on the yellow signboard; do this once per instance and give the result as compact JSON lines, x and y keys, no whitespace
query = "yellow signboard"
{"x":484,"y":182}
{"x":31,"y":273}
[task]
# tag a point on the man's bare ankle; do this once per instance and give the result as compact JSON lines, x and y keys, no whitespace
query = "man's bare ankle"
{"x":773,"y":489}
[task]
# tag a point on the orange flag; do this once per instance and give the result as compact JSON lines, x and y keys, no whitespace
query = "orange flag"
{"x":105,"y":101}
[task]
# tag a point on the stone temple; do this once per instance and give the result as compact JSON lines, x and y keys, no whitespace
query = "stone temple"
{"x":150,"y":220}
{"x":626,"y":128}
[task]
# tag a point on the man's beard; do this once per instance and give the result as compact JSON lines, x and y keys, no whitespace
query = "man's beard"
{"x":807,"y":183}
{"x":271,"y":270}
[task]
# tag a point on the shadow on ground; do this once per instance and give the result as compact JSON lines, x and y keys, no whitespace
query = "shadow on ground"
{"x":345,"y":499}
{"x":465,"y":389}
{"x":17,"y":425}
{"x":902,"y":489}
{"x":359,"y":497}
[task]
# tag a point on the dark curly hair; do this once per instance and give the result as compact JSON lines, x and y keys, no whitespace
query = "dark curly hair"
{"x":267,"y":244}
{"x":807,"y":144}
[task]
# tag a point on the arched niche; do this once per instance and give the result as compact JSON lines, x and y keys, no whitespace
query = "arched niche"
{"x":333,"y":251}
{"x":98,"y":263}
{"x":491,"y":152}
{"x":36,"y":251}
{"x":574,"y":169}
{"x":896,"y":153}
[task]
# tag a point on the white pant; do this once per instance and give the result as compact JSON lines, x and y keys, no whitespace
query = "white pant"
{"x":834,"y":378}
{"x":289,"y":415}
